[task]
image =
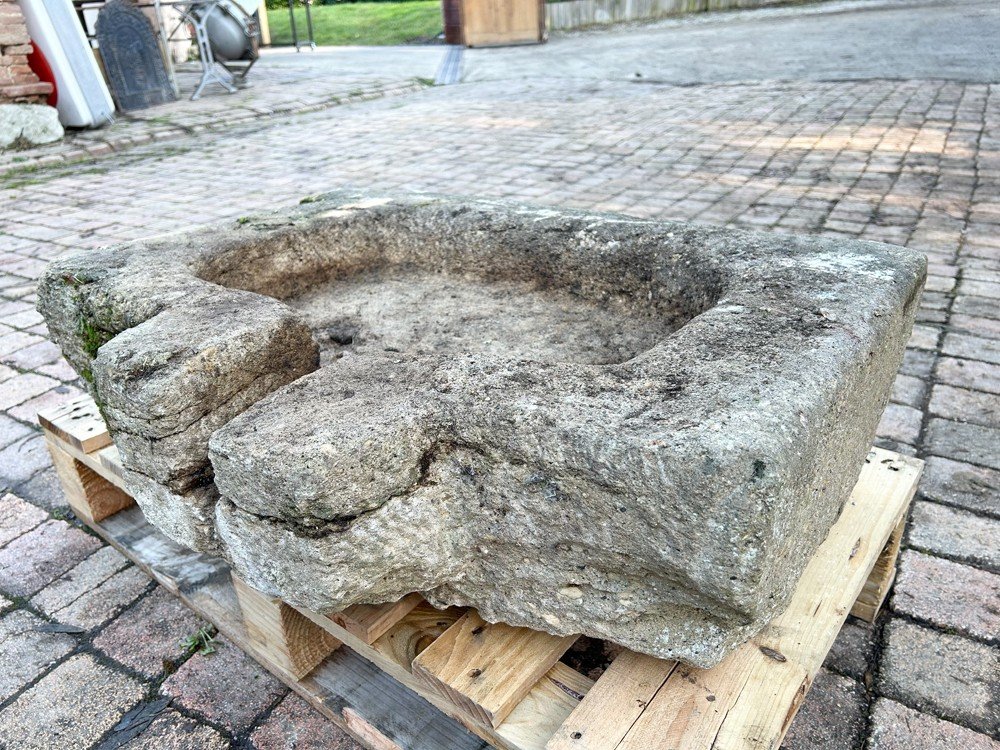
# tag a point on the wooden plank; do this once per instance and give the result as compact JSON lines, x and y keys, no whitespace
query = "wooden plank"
{"x":881,"y":578}
{"x":91,"y":496}
{"x":499,"y":22}
{"x":285,"y":636}
{"x":370,"y":621}
{"x":485,"y":669}
{"x":749,"y":700}
{"x":343,"y":682}
{"x":609,"y":710}
{"x":79,"y":423}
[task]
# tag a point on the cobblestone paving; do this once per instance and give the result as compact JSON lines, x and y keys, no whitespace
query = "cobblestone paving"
{"x":92,"y":647}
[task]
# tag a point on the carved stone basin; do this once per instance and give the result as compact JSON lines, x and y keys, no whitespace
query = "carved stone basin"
{"x":579,"y":423}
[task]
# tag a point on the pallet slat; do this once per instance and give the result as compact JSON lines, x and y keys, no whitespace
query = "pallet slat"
{"x":608,"y":711}
{"x":369,"y":621}
{"x":487,"y":668}
{"x":92,"y":497}
{"x":504,"y":683}
{"x":78,"y":423}
{"x":749,"y":700}
{"x":291,"y":640}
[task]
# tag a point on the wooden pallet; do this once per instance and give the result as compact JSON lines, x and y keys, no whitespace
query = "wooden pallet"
{"x":407,"y":676}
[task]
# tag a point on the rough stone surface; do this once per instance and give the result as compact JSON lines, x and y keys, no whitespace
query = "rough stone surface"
{"x":27,"y":125}
{"x":964,"y":687}
{"x":896,"y":727}
{"x":71,"y":707}
{"x":947,"y":594}
{"x":496,"y":405}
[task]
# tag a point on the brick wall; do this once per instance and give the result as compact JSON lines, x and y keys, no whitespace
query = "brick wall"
{"x":18,"y":83}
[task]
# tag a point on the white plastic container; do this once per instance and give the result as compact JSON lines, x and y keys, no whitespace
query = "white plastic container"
{"x":83,"y":97}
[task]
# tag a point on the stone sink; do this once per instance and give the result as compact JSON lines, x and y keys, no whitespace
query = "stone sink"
{"x":574,"y":422}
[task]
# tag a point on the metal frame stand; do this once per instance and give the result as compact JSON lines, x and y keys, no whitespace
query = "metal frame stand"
{"x":310,"y":43}
{"x":211,"y":72}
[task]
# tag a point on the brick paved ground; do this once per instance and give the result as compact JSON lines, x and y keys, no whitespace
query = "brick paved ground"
{"x":91,"y":647}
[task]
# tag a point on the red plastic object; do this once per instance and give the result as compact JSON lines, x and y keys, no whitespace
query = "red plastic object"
{"x":42,"y":69}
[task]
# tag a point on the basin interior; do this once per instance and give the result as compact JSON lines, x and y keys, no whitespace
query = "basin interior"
{"x":426,"y":313}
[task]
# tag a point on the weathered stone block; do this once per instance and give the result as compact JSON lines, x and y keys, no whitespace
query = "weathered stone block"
{"x":574,"y":422}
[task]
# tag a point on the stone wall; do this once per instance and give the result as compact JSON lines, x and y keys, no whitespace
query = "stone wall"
{"x":575,"y":14}
{"x":18,"y":83}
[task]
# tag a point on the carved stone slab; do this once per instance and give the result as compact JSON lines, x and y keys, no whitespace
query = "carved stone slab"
{"x":132,"y":59}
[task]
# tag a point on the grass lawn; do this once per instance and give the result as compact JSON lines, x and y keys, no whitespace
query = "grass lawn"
{"x":361,"y":23}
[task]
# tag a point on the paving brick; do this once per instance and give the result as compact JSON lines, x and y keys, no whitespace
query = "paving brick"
{"x":40,"y":556}
{"x":17,"y":517}
{"x":917,"y":364}
{"x":947,"y":675}
{"x":909,"y":391}
{"x":87,"y":575}
{"x":71,"y":707}
{"x":963,"y":442}
{"x":294,"y":725}
{"x":976,"y":306}
{"x":107,"y":600}
{"x":28,"y":411}
{"x":961,"y":484}
{"x":832,"y":716}
{"x":174,"y":731}
{"x":896,"y":727}
{"x":971,"y":347}
{"x":964,"y":405}
{"x":19,"y":389}
{"x":60,"y":370}
{"x":977,"y":326}
{"x":26,"y":652}
{"x":949,"y":595}
{"x":924,"y":337}
{"x":33,"y":356}
{"x":43,"y":490}
{"x":853,"y":651}
{"x":22,"y":459}
{"x":969,"y":373}
{"x":900,"y":423}
{"x":11,"y":431}
{"x":147,"y":637}
{"x":954,"y":533}
{"x":226,"y":687}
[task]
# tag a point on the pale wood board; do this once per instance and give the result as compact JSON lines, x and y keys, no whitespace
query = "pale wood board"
{"x":89,"y":494}
{"x":549,"y":701}
{"x":749,"y":700}
{"x":344,"y":682}
{"x":289,"y":639}
{"x":880,"y":580}
{"x":78,"y":423}
{"x":487,"y":668}
{"x":487,"y":23}
{"x":614,"y":704}
{"x":369,"y":621}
